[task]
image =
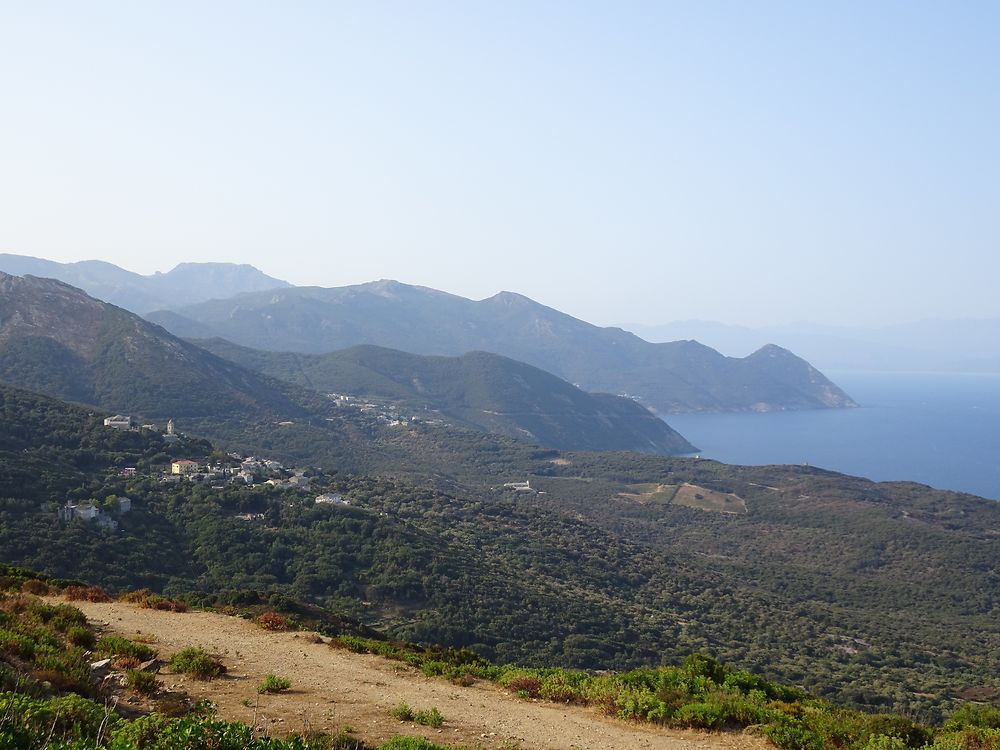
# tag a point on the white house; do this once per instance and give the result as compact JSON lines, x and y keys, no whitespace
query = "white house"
{"x":519,"y":486}
{"x":119,"y":422}
{"x":332,"y":498}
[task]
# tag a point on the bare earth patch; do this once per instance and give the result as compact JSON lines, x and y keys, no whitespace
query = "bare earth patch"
{"x":651,"y":493}
{"x":333,"y":688}
{"x":703,"y":498}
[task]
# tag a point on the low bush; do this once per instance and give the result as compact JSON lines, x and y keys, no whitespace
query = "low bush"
{"x":197,"y":662}
{"x":35,"y":587}
{"x":273,"y":684}
{"x":402,"y":712}
{"x":973,"y":715}
{"x":522,"y":683}
{"x":144,"y":683}
{"x":78,"y":635}
{"x":431,"y":718}
{"x":274,"y":621}
{"x":148,"y":600}
{"x":410,"y":743}
{"x":86,"y":594}
{"x":115,"y":645}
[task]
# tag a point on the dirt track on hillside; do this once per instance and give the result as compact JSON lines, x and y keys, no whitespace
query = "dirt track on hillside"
{"x":332,"y":688}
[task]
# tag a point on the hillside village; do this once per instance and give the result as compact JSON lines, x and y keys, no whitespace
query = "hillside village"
{"x":236,"y":469}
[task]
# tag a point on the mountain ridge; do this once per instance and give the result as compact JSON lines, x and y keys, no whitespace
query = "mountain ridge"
{"x":186,"y":283}
{"x":669,"y":377}
{"x":56,"y":339}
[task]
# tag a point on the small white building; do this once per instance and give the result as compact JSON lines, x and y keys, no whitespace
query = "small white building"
{"x":519,"y":486}
{"x":331,"y":498}
{"x":124,"y":504}
{"x":119,"y":422}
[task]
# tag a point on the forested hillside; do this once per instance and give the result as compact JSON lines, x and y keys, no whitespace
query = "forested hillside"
{"x":480,"y":390}
{"x":871,"y":594}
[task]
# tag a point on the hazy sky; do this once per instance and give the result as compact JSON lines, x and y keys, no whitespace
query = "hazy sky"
{"x":626,"y":162}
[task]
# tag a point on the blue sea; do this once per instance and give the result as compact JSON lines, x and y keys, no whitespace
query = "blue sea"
{"x":934,"y":428}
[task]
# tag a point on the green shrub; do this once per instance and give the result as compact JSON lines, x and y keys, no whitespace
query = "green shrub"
{"x":273,"y":684}
{"x":141,"y":733}
{"x":402,"y":712}
{"x":410,"y":743}
{"x":703,"y":665}
{"x":973,"y":715}
{"x":889,"y":725}
{"x":197,"y":662}
{"x":15,"y":644}
{"x":707,"y":715}
{"x":431,"y":718}
{"x":639,"y":704}
{"x":791,"y":735}
{"x":83,"y":637}
{"x":115,"y":645}
{"x":560,"y":687}
{"x":884,"y":742}
{"x":144,"y":683}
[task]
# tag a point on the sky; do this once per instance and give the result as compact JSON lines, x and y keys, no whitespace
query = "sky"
{"x":626,"y":162}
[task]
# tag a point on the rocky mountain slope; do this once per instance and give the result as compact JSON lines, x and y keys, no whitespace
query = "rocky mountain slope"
{"x":672,"y":377}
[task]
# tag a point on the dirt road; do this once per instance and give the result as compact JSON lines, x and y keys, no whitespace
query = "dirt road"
{"x":332,"y":688}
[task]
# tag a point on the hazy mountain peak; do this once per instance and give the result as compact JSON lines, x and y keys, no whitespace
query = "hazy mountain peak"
{"x":772,"y":350}
{"x":185,"y":284}
{"x":511,"y":298}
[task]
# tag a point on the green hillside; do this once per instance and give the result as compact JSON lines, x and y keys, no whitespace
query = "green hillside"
{"x":872,"y":595}
{"x":55,"y":339}
{"x":480,"y":390}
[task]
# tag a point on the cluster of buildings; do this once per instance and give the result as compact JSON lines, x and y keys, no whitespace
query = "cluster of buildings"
{"x":127,"y":422}
{"x":386,"y":413}
{"x":252,"y":470}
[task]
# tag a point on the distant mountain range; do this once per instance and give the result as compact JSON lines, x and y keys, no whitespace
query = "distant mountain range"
{"x":56,"y":340}
{"x":932,"y":345}
{"x":681,"y":376}
{"x":480,"y":390}
{"x":247,"y":307}
{"x":186,"y":284}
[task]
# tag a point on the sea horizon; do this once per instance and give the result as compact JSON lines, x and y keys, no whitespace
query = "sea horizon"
{"x":936,"y":428}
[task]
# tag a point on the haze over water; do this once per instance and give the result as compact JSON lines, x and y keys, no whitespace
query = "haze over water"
{"x":938,"y":429}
